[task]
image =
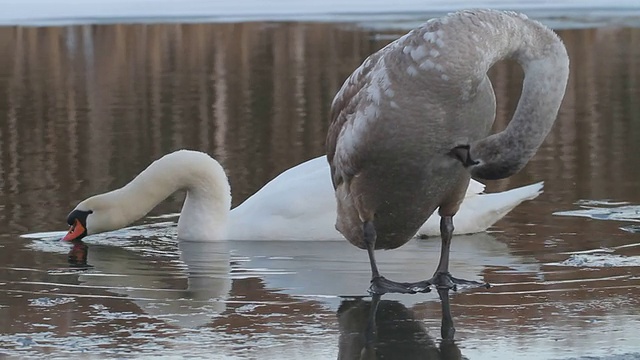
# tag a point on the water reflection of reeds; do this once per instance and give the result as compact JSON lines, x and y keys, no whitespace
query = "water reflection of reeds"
{"x":84,"y":108}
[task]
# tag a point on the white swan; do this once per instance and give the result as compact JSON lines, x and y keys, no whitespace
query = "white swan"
{"x":296,"y":205}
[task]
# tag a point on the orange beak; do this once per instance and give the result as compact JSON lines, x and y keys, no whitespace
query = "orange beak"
{"x":77,"y":231}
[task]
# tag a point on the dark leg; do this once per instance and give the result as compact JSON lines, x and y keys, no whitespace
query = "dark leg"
{"x":379,"y":284}
{"x":442,"y":278}
{"x":370,"y":241}
{"x":446,"y":233}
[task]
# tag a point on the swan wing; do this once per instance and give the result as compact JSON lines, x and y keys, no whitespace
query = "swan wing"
{"x":343,"y":123}
{"x":475,"y":188}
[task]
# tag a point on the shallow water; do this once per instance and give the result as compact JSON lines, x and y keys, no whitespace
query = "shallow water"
{"x":84,"y":108}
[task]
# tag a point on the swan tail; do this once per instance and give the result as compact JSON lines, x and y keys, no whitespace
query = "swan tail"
{"x":478,"y":213}
{"x":482,"y":211}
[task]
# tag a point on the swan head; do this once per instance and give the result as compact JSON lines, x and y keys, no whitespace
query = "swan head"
{"x":204,"y":213}
{"x":77,"y":221}
{"x":92,"y":216}
{"x":489,"y":164}
{"x":461,"y":153}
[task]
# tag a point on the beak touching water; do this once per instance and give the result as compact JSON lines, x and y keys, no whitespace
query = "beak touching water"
{"x":76,"y":232}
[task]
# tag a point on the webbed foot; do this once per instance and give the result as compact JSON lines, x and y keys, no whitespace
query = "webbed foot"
{"x":381,"y":285}
{"x":444,"y":280}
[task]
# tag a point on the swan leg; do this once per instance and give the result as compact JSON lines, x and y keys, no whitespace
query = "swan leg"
{"x":370,"y":241}
{"x":379,"y":284}
{"x":442,"y":278}
{"x":446,"y":233}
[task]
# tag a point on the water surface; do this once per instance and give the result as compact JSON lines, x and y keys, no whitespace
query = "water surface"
{"x":83,"y":109}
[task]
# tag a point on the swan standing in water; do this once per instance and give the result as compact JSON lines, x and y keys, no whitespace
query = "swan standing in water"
{"x":411,"y":124}
{"x":297,"y":205}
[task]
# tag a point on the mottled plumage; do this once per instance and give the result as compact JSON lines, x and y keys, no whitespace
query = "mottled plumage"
{"x":397,"y":118}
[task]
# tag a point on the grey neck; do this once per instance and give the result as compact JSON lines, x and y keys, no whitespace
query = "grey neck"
{"x":544,"y":60}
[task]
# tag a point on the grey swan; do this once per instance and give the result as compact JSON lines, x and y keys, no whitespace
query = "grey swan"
{"x":411,"y":125}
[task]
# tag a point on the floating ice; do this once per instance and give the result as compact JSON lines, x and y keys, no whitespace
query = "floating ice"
{"x":49,"y":302}
{"x":631,"y":228}
{"x":604,"y":210}
{"x":599,"y":260}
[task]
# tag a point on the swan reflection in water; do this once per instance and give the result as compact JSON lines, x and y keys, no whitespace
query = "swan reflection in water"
{"x":386,"y":329}
{"x":78,"y":255}
{"x":157,"y":287}
{"x":369,"y":329}
{"x":188,"y":284}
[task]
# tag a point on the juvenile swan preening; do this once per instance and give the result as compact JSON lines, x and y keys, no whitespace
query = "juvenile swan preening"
{"x":411,"y":124}
{"x":297,"y":205}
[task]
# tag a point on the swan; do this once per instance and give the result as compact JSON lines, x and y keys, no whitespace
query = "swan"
{"x":296,"y":205}
{"x":411,"y":125}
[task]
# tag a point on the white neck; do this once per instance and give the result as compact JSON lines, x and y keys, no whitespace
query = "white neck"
{"x":205,"y":211}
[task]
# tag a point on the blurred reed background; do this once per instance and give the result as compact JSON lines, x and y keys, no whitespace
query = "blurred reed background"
{"x":83,"y":109}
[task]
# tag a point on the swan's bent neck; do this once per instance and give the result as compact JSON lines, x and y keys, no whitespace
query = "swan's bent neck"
{"x":205,"y":211}
{"x":545,"y":62}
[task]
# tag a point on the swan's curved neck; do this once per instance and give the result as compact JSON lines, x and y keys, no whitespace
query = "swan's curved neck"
{"x":205,"y":211}
{"x":544,"y":60}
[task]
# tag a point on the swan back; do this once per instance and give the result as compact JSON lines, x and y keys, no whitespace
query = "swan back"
{"x":296,"y":205}
{"x":205,"y":211}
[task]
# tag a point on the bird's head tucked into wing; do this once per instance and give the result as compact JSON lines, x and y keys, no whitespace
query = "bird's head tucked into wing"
{"x":461,"y":153}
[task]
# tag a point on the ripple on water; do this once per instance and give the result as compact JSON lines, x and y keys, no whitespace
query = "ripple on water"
{"x":174,"y":311}
{"x":162,"y":236}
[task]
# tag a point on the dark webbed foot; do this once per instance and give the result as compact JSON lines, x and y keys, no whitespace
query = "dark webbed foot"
{"x":381,"y":285}
{"x":444,"y":280}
